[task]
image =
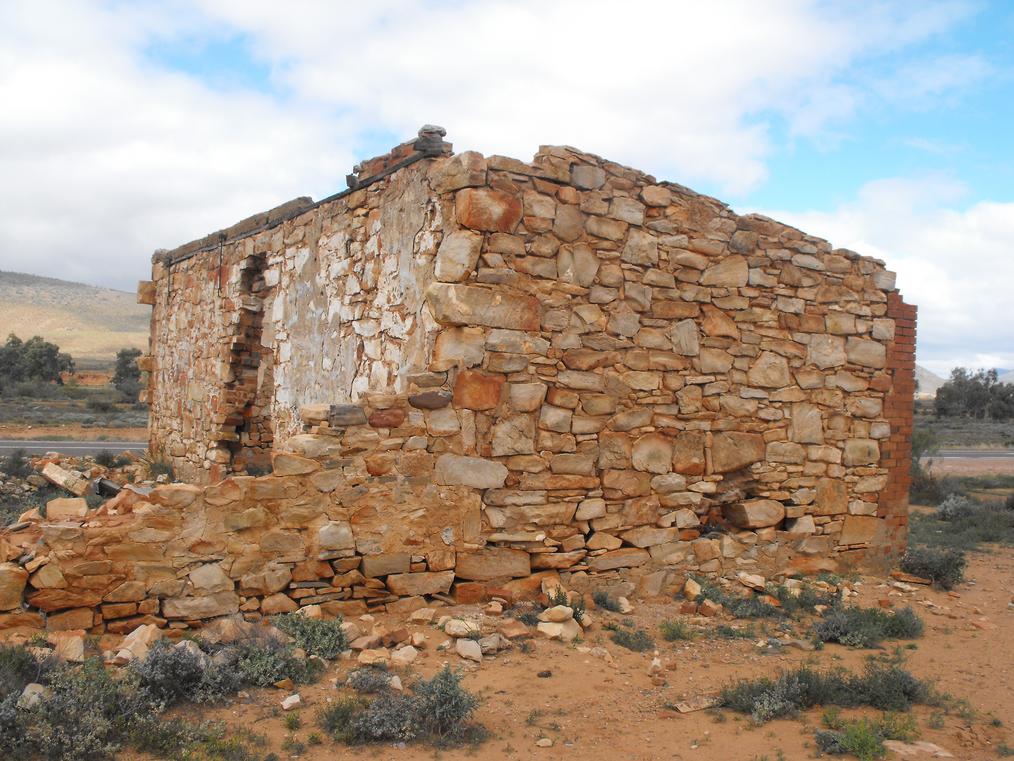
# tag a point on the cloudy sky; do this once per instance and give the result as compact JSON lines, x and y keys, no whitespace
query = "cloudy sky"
{"x":884,"y":127}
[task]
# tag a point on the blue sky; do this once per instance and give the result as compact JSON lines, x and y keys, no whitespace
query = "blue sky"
{"x":883,"y":126}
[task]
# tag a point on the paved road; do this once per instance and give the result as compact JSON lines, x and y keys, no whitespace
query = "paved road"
{"x":70,"y":447}
{"x":970,"y":454}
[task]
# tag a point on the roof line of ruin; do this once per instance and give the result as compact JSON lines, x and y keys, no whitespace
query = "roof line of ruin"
{"x":428,"y":144}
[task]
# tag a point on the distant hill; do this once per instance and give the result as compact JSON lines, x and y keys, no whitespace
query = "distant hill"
{"x":89,"y":323}
{"x":928,"y":383}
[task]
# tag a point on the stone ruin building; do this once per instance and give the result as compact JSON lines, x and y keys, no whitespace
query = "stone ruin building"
{"x":466,"y":374}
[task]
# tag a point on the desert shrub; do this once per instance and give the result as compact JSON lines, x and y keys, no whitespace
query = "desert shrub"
{"x":263,"y":661}
{"x":559,"y":596}
{"x":605,"y":601}
{"x":637,"y":640}
{"x":867,"y":627}
{"x":336,"y":719}
{"x":19,"y":668}
{"x":954,"y":507}
{"x":100,"y":405}
{"x":673,"y":631}
{"x":369,"y":680}
{"x":884,"y":686}
{"x":437,"y":711}
{"x":391,"y":717}
{"x":16,"y":465}
{"x":169,"y":675}
{"x":864,"y":737}
{"x":739,"y":606}
{"x":107,"y":459}
{"x":158,"y":466}
{"x":317,"y":636}
{"x":943,"y":567}
{"x":724,"y":631}
{"x":444,"y":707}
{"x":85,"y":717}
{"x":171,"y":738}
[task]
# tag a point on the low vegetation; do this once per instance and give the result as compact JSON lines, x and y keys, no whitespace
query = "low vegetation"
{"x":317,"y":636}
{"x":867,"y":627}
{"x":791,"y":602}
{"x":863,"y":737}
{"x":676,"y":630}
{"x":627,"y":635}
{"x":436,"y":711}
{"x":83,"y":713}
{"x":945,"y":568}
{"x":884,"y":685}
{"x":605,"y":601}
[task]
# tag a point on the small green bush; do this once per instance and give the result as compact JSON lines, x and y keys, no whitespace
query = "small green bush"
{"x":863,"y":738}
{"x":264,"y":661}
{"x":85,"y":717}
{"x":943,"y":567}
{"x":885,"y":686}
{"x":673,"y":631}
{"x":605,"y":601}
{"x":336,"y":719}
{"x":867,"y":627}
{"x":444,"y":707}
{"x":437,"y":711}
{"x":16,"y":465}
{"x":107,"y":459}
{"x":637,"y":640}
{"x":317,"y":636}
{"x":369,"y":680}
{"x":169,"y":675}
{"x":724,"y":631}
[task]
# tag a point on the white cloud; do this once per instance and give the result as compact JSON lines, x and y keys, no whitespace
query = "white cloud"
{"x":956,"y":264}
{"x":106,"y":156}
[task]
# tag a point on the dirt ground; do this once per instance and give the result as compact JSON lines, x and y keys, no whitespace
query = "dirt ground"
{"x":71,"y":432}
{"x":971,"y":466}
{"x":594,"y":711}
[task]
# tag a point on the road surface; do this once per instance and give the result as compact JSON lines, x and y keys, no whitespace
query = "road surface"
{"x":970,"y":454}
{"x":74,"y":448}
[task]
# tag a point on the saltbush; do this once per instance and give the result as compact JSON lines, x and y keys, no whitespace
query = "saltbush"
{"x":637,"y":640}
{"x":867,"y":627}
{"x":943,"y":567}
{"x":16,"y":465}
{"x":369,"y":680}
{"x":605,"y":601}
{"x":317,"y":636}
{"x":264,"y":661}
{"x":884,"y":686}
{"x":169,"y":675}
{"x":676,"y":630}
{"x":955,"y":507}
{"x":864,"y":737}
{"x":437,"y":711}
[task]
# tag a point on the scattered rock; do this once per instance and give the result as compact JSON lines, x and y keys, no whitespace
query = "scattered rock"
{"x":468,"y":649}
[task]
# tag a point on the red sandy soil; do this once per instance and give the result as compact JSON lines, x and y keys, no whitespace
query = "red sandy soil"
{"x":72,"y":433}
{"x":972,"y":466}
{"x":594,"y":711}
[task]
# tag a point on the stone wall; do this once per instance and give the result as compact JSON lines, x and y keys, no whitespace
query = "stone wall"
{"x":610,"y":373}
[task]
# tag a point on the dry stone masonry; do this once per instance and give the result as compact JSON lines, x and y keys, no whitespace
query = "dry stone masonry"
{"x":468,"y":374}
